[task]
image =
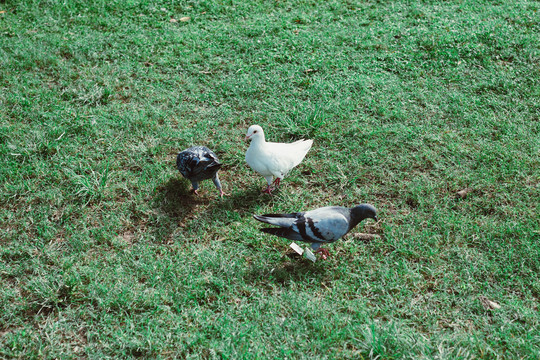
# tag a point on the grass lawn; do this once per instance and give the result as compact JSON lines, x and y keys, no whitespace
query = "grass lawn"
{"x":104,"y":253}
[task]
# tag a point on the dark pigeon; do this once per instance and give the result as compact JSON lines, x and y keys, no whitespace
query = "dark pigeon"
{"x":199,"y":163}
{"x":319,"y":226}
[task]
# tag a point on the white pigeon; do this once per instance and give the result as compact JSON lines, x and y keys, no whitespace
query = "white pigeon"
{"x":273,"y":159}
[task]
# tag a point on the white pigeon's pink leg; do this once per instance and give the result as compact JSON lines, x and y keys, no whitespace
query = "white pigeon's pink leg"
{"x":268,"y":189}
{"x":324,"y":253}
{"x":277,"y":181}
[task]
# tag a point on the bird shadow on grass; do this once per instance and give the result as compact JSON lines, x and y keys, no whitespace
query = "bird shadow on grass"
{"x":178,"y":206}
{"x":295,"y":269}
{"x":174,"y":203}
{"x":175,"y":199}
{"x":245,"y":200}
{"x":240,"y":204}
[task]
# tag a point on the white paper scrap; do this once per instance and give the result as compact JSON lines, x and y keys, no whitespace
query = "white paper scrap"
{"x":309,"y":255}
{"x":297,"y":248}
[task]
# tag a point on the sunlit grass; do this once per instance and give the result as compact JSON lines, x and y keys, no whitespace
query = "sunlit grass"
{"x":105,"y":253}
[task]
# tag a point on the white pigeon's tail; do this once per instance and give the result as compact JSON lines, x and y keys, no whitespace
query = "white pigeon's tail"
{"x":300,"y":149}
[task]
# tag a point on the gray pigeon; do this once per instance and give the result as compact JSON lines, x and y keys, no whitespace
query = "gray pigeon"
{"x":199,"y":163}
{"x":319,"y":226}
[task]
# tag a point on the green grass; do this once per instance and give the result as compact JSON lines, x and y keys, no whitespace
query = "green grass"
{"x":104,"y":253}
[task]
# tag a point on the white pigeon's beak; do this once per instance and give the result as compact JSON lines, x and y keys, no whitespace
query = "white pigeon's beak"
{"x":247,"y":137}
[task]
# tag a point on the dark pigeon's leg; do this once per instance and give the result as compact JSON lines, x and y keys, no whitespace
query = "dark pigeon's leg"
{"x":195,"y":187}
{"x":216,"y":181}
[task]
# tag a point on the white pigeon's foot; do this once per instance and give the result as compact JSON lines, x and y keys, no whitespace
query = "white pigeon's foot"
{"x":277,"y":182}
{"x":268,"y":190}
{"x":324,"y":253}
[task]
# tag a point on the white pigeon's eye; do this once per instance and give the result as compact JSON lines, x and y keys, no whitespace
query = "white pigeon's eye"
{"x":255,"y":132}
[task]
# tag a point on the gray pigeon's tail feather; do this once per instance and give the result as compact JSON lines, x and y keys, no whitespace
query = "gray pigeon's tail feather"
{"x":293,"y":215}
{"x":284,"y":233}
{"x":284,"y":220}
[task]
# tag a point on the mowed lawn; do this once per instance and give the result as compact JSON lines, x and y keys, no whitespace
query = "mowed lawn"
{"x":105,"y":253}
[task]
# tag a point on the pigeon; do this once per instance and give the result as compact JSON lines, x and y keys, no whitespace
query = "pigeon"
{"x":273,"y":159}
{"x":199,"y":163}
{"x":319,"y":226}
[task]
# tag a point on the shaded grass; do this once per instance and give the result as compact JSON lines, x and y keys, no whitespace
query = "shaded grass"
{"x":106,"y":254}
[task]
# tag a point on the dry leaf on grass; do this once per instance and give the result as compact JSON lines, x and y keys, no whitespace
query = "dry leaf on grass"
{"x":128,"y":237}
{"x":463,"y":193}
{"x":365,"y":237}
{"x":185,"y":18}
{"x":173,"y":20}
{"x":488,"y":304}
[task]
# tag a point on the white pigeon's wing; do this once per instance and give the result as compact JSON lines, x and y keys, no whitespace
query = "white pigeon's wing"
{"x":281,"y":158}
{"x":257,"y":159}
{"x":276,"y":159}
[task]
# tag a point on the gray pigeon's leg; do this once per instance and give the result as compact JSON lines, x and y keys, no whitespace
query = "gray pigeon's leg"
{"x":318,"y":249}
{"x":195,"y":187}
{"x":216,"y":181}
{"x":324,"y":253}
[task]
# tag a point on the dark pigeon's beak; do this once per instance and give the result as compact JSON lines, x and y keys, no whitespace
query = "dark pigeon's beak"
{"x":375,"y":218}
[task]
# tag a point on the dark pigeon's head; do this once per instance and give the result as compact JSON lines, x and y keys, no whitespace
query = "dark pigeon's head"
{"x":194,"y":161}
{"x":364,"y":211}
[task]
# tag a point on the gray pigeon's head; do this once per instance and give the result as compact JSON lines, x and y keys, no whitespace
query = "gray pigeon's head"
{"x":364,"y":211}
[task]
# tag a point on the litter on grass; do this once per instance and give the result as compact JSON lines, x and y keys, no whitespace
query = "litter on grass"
{"x":306,"y":253}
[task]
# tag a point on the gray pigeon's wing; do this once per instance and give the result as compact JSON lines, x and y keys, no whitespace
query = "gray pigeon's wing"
{"x":322,"y":225}
{"x":285,"y":221}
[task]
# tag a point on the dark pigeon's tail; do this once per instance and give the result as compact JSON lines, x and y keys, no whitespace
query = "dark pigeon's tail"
{"x":205,"y":169}
{"x":213,"y":166}
{"x":284,"y":233}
